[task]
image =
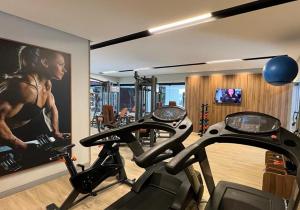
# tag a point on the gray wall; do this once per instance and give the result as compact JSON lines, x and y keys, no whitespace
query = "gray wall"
{"x":18,"y":29}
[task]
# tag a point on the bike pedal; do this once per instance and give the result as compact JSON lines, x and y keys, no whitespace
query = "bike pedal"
{"x":93,"y":194}
{"x":52,"y":206}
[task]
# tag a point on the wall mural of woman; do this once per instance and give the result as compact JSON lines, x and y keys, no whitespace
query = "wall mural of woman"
{"x":35,"y":104}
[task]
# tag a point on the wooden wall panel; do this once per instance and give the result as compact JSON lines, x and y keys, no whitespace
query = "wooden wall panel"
{"x":257,"y":95}
{"x":196,"y":93}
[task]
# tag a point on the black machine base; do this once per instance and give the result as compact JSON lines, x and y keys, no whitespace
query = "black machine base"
{"x":230,"y":196}
{"x":108,"y":164}
{"x":157,"y":189}
{"x":71,"y":200}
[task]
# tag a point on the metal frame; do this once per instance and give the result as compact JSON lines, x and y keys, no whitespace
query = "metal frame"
{"x":106,"y":97}
{"x":74,"y":196}
{"x":140,"y":96}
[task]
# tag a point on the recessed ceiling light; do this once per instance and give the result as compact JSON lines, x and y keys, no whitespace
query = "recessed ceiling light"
{"x":182,"y":23}
{"x":224,"y":61}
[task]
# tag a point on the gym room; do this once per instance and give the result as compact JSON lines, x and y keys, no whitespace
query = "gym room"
{"x":150,"y":105}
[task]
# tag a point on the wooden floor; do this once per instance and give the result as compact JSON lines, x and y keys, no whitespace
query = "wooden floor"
{"x":236,"y":163}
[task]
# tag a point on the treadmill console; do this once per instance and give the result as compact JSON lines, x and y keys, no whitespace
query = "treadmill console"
{"x":169,"y":114}
{"x":252,"y":123}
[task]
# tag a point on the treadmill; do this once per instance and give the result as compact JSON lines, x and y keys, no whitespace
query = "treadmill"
{"x":156,"y":189}
{"x":248,"y":128}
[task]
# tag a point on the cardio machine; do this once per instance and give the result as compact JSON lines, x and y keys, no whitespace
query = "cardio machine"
{"x":109,"y":163}
{"x":248,"y":128}
{"x":156,"y":189}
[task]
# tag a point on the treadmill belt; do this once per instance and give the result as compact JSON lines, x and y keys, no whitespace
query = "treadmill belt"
{"x":149,"y":199}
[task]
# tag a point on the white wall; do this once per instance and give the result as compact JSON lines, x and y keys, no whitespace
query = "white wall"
{"x":297,"y":79}
{"x":162,"y":78}
{"x":176,"y":78}
{"x":17,"y":29}
{"x":294,"y":107}
{"x":105,"y":78}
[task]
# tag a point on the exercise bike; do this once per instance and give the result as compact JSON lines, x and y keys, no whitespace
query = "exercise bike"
{"x":109,"y":163}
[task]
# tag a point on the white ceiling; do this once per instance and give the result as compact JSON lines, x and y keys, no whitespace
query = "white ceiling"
{"x":101,"y":20}
{"x":265,"y":32}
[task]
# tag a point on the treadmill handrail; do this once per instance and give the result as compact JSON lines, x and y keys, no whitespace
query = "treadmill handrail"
{"x":179,"y":162}
{"x":287,"y":144}
{"x":123,"y":132}
{"x":184,"y":158}
{"x":152,"y":155}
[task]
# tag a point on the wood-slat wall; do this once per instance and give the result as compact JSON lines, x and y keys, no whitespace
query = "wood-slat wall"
{"x":257,"y":95}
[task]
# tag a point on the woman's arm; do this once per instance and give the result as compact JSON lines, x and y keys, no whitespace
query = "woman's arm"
{"x":54,"y":115}
{"x":6,"y":136}
{"x":16,"y":96}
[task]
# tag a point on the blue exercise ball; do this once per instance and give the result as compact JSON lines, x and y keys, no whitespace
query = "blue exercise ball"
{"x":280,"y":70}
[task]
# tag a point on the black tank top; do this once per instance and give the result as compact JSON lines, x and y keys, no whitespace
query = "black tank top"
{"x":28,"y":111}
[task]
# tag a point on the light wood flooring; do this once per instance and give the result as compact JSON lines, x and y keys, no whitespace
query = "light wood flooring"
{"x":237,"y":163}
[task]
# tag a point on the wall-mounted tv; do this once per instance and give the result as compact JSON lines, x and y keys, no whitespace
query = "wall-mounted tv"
{"x":228,"y":96}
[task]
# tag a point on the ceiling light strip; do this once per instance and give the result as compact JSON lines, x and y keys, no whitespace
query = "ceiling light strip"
{"x":223,"y":61}
{"x":248,"y":7}
{"x":143,"y":69}
{"x":126,"y":70}
{"x":215,"y":62}
{"x":179,"y":65}
{"x":182,"y":24}
{"x":237,"y":10}
{"x":195,"y":64}
{"x":259,"y":58}
{"x":127,"y":38}
{"x":109,"y":72}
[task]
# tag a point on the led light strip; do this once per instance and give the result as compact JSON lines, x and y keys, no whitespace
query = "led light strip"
{"x":109,"y":72}
{"x":224,"y":61}
{"x":208,"y":17}
{"x":193,"y":64}
{"x":143,"y":69}
{"x":182,"y":24}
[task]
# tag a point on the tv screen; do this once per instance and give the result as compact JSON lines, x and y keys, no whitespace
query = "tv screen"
{"x":230,"y":95}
